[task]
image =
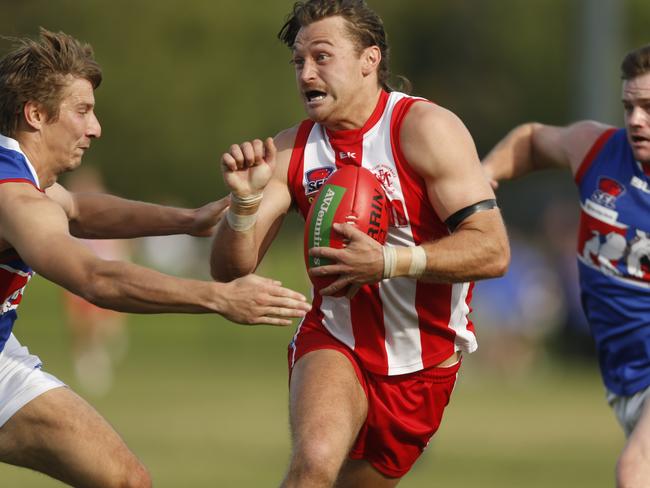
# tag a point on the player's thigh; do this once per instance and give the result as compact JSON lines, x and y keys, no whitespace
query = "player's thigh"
{"x":60,"y":434}
{"x":327,"y":401}
{"x":357,"y":473}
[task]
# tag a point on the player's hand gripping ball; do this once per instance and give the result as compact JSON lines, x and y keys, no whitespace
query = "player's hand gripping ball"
{"x":351,"y":195}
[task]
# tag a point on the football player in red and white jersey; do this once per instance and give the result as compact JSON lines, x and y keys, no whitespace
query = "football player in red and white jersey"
{"x":47,"y":122}
{"x":371,"y":372}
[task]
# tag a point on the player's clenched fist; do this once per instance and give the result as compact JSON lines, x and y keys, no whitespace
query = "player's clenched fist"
{"x":252,"y":299}
{"x":247,"y":167}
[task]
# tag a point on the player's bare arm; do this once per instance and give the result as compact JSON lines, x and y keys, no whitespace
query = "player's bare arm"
{"x":37,"y":227}
{"x":103,"y":216}
{"x":252,"y":170}
{"x":534,"y":146}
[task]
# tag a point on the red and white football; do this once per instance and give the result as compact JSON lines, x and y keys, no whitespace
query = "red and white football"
{"x":351,"y":194}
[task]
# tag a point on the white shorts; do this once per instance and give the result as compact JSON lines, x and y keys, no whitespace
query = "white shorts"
{"x":628,"y":409}
{"x":21,"y":379}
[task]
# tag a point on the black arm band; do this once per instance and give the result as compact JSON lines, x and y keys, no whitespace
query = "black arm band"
{"x":454,"y":220}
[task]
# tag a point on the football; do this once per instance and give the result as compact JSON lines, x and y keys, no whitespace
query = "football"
{"x":353,"y":195}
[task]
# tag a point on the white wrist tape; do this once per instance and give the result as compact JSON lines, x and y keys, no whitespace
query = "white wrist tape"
{"x":417,"y":266}
{"x":390,"y":262}
{"x":418,"y":262}
{"x":245,"y":220}
{"x":240,"y":223}
{"x":245,"y":203}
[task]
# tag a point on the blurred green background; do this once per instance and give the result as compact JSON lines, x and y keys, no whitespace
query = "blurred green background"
{"x":202,"y":401}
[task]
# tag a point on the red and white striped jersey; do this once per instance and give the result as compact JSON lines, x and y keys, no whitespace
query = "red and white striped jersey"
{"x":399,"y":325}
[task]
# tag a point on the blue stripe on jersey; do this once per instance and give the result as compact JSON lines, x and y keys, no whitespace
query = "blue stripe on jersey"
{"x":14,"y":272}
{"x":614,"y":264}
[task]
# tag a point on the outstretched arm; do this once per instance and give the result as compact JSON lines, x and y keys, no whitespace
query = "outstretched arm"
{"x":439,"y":148}
{"x":37,"y":227}
{"x":104,"y":216}
{"x":533,"y":146}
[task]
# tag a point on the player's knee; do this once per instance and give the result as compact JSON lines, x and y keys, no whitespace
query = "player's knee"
{"x":318,"y":460}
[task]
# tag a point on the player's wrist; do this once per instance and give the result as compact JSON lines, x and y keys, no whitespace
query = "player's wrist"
{"x":404,"y":261}
{"x":242,"y":213}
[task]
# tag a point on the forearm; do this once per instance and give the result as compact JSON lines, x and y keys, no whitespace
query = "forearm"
{"x":234,"y":253}
{"x":127,"y":287}
{"x":107,"y":216}
{"x":513,"y":156}
{"x":472,"y":252}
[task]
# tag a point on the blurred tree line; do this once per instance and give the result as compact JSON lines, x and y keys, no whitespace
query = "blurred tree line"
{"x":184,"y":80}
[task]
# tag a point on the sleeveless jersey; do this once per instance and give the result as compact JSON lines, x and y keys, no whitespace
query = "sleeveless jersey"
{"x":399,"y":325}
{"x":14,"y":273}
{"x":614,"y":260}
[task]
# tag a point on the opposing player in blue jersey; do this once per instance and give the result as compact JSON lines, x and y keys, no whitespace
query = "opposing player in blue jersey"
{"x":611,"y":168}
{"x":47,"y":122}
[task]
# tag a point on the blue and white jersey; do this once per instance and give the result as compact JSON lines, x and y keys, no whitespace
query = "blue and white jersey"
{"x":614,"y":260}
{"x":14,"y":273}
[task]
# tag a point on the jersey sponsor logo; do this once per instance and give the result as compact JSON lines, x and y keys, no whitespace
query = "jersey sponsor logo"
{"x":315,"y":179}
{"x":614,"y":249}
{"x":639,"y":184}
{"x":608,"y":192}
{"x":347,"y":154}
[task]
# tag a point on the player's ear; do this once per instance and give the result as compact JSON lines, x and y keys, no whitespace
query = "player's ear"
{"x":34,"y":114}
{"x":371,"y":57}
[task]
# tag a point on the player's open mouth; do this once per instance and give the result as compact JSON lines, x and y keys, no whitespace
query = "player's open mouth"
{"x":315,"y":96}
{"x":639,"y":139}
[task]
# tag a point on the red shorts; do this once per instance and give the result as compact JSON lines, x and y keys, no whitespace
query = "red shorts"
{"x":404,"y":411}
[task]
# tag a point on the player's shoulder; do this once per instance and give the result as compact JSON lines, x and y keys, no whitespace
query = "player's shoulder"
{"x":428,"y":118}
{"x":587,"y":131}
{"x":287,"y":138}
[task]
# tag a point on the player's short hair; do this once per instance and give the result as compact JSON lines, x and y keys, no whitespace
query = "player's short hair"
{"x":636,"y":63}
{"x":364,"y":25}
{"x":39,"y":71}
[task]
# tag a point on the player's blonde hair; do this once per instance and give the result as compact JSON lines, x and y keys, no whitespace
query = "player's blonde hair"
{"x":636,"y":63}
{"x":39,"y":71}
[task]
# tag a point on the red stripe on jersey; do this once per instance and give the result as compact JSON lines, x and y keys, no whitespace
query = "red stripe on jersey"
{"x":432,"y":300}
{"x":21,"y":180}
{"x":295,"y":170}
{"x":10,"y":283}
{"x":367,"y":318}
{"x":591,"y":155}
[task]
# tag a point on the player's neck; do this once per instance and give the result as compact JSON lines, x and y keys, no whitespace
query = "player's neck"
{"x":37,"y":158}
{"x":357,"y":113}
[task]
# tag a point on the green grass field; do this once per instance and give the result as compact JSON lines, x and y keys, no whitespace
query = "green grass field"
{"x":203,"y":403}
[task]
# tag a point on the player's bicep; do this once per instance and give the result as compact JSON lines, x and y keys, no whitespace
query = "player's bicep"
{"x":37,"y":228}
{"x":441,"y":150}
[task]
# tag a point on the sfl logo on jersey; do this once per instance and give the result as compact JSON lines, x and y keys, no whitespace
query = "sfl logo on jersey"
{"x":316,"y":178}
{"x":608,"y":192}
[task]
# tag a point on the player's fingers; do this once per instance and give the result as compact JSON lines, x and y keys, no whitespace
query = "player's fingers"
{"x":352,"y":291}
{"x":248,"y":151}
{"x":327,"y":270}
{"x":258,"y":150}
{"x":228,"y":162}
{"x":335,"y":287}
{"x":325,"y":252}
{"x":266,"y":320}
{"x":237,"y":154}
{"x":269,"y":149}
{"x":280,"y":292}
